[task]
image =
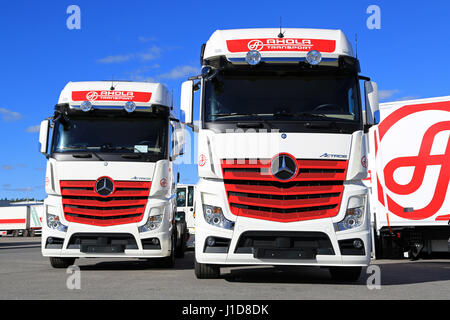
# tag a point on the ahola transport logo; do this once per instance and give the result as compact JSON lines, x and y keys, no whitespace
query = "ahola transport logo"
{"x":419,"y":162}
{"x":92,"y":96}
{"x":111,"y":95}
{"x":256,"y":45}
{"x":281,"y":44}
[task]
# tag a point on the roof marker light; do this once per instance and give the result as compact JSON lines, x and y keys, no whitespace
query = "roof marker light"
{"x":313,"y":57}
{"x":86,"y":106}
{"x":253,"y":57}
{"x":130,"y":106}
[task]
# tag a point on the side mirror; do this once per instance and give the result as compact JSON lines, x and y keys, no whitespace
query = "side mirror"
{"x":179,"y":139}
{"x":372,"y":105}
{"x":187,"y":101}
{"x":43,"y":136}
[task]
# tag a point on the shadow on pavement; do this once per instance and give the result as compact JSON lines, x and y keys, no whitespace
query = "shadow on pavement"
{"x":185,"y":263}
{"x":391,"y":274}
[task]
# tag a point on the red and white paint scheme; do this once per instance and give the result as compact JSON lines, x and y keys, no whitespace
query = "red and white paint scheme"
{"x":276,"y":182}
{"x":410,"y":161}
{"x":295,"y":43}
{"x":110,"y":173}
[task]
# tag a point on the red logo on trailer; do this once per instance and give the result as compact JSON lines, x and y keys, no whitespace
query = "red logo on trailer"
{"x":109,"y":95}
{"x":202,"y":160}
{"x":283,"y":44}
{"x":419,"y":162}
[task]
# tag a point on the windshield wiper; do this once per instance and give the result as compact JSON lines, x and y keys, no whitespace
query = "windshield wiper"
{"x":87,"y":155}
{"x":246,"y":125}
{"x":301,"y":115}
{"x":131,"y":156}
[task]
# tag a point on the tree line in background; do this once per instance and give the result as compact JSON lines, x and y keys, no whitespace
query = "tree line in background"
{"x":12,"y":200}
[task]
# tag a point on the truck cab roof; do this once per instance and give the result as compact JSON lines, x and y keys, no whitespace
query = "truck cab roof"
{"x":115,"y":93}
{"x":295,"y":43}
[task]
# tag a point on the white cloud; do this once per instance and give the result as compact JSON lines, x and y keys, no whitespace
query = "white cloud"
{"x":116,"y":59}
{"x":33,"y":129}
{"x":146,"y":39}
{"x":8,"y":115}
{"x":151,"y":53}
{"x":180,"y":72}
{"x":386,"y":94}
{"x":408,"y":98}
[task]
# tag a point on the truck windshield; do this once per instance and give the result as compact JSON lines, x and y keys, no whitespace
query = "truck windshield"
{"x":282,"y":97}
{"x":111,"y":135}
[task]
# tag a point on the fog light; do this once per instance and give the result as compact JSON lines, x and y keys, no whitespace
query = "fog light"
{"x":253,"y":57}
{"x":314,"y":57}
{"x":86,"y":106}
{"x":210,"y":241}
{"x":358,"y":244}
{"x":155,"y":241}
{"x":130,"y":106}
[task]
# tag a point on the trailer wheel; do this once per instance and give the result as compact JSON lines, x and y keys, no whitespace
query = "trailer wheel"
{"x":206,"y":271}
{"x":59,"y":263}
{"x":15,"y":233}
{"x":345,"y":273}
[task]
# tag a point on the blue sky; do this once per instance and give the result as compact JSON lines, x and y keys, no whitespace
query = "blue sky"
{"x":160,"y":41}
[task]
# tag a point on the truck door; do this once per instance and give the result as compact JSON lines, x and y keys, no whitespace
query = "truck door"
{"x":190,"y":208}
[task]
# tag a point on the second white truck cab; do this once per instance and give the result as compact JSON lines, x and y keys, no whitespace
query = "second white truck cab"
{"x":110,"y":179}
{"x":281,"y":151}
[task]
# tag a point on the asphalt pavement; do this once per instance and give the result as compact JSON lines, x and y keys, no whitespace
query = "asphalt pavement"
{"x":25,"y":274}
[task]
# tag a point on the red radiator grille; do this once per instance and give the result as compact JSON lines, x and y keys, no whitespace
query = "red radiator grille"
{"x":126,"y":204}
{"x":315,"y":191}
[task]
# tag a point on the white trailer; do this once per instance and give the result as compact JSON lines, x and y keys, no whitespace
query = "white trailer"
{"x":185,"y":207}
{"x":281,"y":153}
{"x":409,"y":166}
{"x":21,"y":219}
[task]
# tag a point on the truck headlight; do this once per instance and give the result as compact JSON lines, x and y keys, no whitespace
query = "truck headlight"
{"x":214,"y":216}
{"x":154,"y":221}
{"x":354,"y":216}
{"x":53,"y":221}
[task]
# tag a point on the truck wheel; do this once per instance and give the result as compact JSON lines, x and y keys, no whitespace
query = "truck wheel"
{"x":58,"y":262}
{"x":345,"y":273}
{"x":169,"y":262}
{"x":206,"y":271}
{"x":32,"y":233}
{"x":15,"y":233}
{"x":25,"y":233}
{"x":181,"y":246}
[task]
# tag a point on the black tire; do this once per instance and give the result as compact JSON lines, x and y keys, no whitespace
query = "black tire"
{"x":59,"y":263}
{"x":181,"y":246}
{"x":25,"y":233}
{"x":32,"y":233}
{"x":345,"y":273}
{"x":168,"y":262}
{"x":15,"y":233}
{"x":206,"y":271}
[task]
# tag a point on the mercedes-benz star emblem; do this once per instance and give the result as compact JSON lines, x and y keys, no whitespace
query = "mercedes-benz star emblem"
{"x":284,"y":167}
{"x":104,"y":187}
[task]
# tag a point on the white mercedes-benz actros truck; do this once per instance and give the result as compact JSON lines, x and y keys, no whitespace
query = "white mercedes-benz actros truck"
{"x":110,"y":178}
{"x":281,"y":154}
